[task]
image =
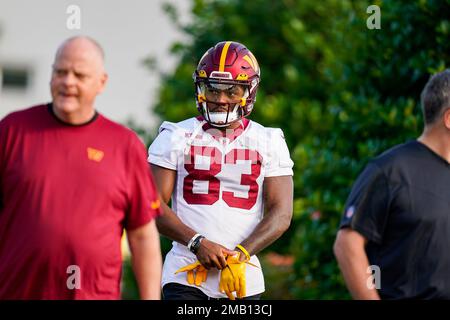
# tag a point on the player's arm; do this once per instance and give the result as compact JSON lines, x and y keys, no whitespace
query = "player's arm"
{"x":349,"y":249}
{"x":210,"y":254}
{"x":278,"y":200}
{"x":146,"y":260}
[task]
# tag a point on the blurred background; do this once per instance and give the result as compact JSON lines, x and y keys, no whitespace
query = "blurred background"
{"x":130,"y":33}
{"x":341,"y":92}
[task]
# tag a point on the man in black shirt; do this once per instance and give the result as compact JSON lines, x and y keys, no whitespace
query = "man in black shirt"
{"x":396,"y":220}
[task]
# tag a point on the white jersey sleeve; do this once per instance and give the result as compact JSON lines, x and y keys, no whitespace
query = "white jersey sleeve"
{"x":279,"y":162}
{"x":165,"y":148}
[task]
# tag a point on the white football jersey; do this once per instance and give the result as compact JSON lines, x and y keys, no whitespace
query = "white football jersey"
{"x":218,"y":192}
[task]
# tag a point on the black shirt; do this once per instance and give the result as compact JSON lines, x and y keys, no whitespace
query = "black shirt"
{"x":401,"y":204}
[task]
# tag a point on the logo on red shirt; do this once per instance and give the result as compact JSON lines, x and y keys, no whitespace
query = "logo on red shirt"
{"x":94,"y":154}
{"x":155,"y":204}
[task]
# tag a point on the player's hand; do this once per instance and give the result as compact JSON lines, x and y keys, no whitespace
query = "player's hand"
{"x":213,"y":255}
{"x":195,"y":273}
{"x":232,"y":278}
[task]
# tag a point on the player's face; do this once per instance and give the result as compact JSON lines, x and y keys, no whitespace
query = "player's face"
{"x":77,"y":78}
{"x":221,"y":97}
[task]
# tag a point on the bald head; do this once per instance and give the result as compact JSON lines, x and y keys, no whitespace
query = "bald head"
{"x":82,"y":45}
{"x":78,"y":77}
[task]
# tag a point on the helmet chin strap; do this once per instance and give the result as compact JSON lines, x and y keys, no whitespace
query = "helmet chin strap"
{"x":221,"y":119}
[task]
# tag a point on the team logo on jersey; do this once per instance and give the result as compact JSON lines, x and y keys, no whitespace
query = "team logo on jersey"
{"x":350,"y":211}
{"x":197,"y":137}
{"x":94,"y":154}
{"x":155,"y":204}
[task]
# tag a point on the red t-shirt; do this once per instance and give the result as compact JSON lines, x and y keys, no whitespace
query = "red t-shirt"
{"x":66,"y":193}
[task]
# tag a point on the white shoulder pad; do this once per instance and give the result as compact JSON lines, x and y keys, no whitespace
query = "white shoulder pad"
{"x":179,"y":127}
{"x":279,"y":162}
{"x":166,"y":125}
{"x":170,"y":142}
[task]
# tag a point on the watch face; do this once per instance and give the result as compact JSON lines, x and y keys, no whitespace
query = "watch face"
{"x":196,"y":244}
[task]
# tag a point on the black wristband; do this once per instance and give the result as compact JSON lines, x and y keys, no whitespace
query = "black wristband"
{"x":196,"y":244}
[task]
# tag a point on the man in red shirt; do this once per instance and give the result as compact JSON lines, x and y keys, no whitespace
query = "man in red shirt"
{"x":70,"y":182}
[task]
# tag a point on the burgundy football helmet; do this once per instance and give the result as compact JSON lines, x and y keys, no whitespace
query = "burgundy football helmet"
{"x":226,"y":64}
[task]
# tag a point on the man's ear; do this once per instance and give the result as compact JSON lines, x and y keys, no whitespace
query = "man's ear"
{"x":103,"y":81}
{"x":447,"y":118}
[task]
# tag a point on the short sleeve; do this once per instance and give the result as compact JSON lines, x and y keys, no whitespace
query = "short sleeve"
{"x":2,"y":157}
{"x":279,"y":162}
{"x":142,"y":193}
{"x":164,"y":151}
{"x":367,"y":206}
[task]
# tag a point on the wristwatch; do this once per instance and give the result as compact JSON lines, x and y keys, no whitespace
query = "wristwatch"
{"x":194,"y":244}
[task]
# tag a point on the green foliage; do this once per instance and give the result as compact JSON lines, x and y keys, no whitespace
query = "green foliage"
{"x":342,"y":94}
{"x":129,"y":289}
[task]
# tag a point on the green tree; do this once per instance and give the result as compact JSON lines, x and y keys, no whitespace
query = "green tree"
{"x":342,"y":94}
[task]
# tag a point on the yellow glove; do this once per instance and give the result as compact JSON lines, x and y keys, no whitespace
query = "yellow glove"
{"x":200,"y":273}
{"x":232,"y":278}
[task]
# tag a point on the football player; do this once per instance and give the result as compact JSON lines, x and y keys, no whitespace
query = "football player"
{"x":229,"y":179}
